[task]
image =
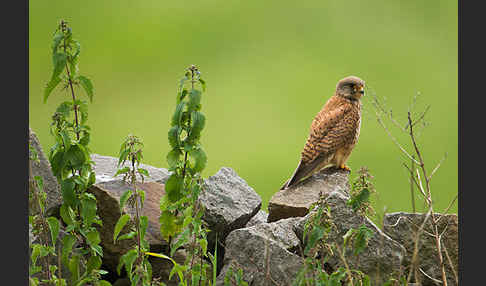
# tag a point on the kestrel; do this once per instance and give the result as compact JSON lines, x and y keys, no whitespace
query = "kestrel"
{"x":334,"y":131}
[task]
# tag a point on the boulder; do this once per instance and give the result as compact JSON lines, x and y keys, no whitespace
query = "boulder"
{"x":229,"y":203}
{"x":108,"y":190}
{"x":266,"y":252}
{"x":381,"y":258}
{"x":402,"y":227}
{"x":260,"y":217}
{"x":105,"y":168}
{"x":297,"y":200}
{"x":43,"y":169}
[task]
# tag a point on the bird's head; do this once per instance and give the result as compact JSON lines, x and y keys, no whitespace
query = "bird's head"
{"x":350,"y":87}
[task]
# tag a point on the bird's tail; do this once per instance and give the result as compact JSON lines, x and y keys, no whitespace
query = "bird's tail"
{"x":296,"y":176}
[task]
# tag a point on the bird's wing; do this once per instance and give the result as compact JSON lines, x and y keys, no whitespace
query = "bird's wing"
{"x":331,"y":129}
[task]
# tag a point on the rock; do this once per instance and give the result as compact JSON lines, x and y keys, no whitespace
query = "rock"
{"x":296,"y":200}
{"x":108,"y":197}
{"x":43,"y":169}
{"x":260,"y":217}
{"x":229,"y":203}
{"x":379,"y":260}
{"x":106,"y":166}
{"x":266,"y":251}
{"x":402,"y":227}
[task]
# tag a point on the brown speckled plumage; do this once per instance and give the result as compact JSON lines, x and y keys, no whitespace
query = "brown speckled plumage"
{"x":334,"y":131}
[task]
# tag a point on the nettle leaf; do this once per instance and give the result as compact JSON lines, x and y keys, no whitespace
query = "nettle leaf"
{"x":316,"y":234}
{"x":176,"y":118}
{"x":68,"y":242}
{"x":50,"y":86}
{"x":73,"y":267}
{"x":68,"y":191}
{"x":363,"y":235}
{"x":87,"y":86}
{"x":173,"y":158}
{"x":203,"y":84}
{"x":173,"y":136}
{"x":76,"y":155}
{"x":127,"y":259}
{"x":56,"y":41}
{"x":173,"y":187}
{"x":88,"y":210}
{"x":356,"y":201}
{"x":54,"y":227}
{"x":168,"y":225}
{"x":197,"y":125}
{"x":67,"y":214}
{"x":59,"y":61}
{"x":93,"y":237}
{"x":129,"y":235}
{"x":122,"y":221}
{"x":124,"y":198}
{"x":200,"y":159}
{"x":123,"y":156}
{"x":194,"y":103}
{"x":122,"y":171}
{"x":143,"y":172}
{"x":94,"y":262}
{"x":143,"y":226}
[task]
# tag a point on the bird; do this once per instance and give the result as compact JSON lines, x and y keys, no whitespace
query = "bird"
{"x":333,"y":133}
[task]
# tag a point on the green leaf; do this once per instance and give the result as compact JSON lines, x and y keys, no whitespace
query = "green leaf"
{"x":87,"y":86}
{"x":59,"y":62}
{"x":363,"y":235}
{"x":56,"y":41}
{"x":50,"y":86}
{"x":77,"y":155}
{"x":124,"y":198}
{"x":200,"y":159}
{"x":104,"y":283}
{"x":168,"y":225}
{"x":68,"y":192}
{"x":54,"y":227}
{"x":203,"y":84}
{"x":94,"y":263}
{"x":177,"y":116}
{"x":123,"y":156}
{"x":122,"y":221}
{"x":93,"y":237}
{"x":127,"y":259}
{"x":356,"y":201}
{"x":122,"y":171}
{"x":88,"y":210}
{"x":73,"y":267}
{"x":143,"y":172}
{"x":317,"y":233}
{"x":197,"y":125}
{"x":173,"y":187}
{"x":173,"y":136}
{"x":143,"y":226}
{"x":67,"y":246}
{"x":127,"y":236}
{"x":67,"y":214}
{"x":173,"y":158}
{"x":194,"y":103}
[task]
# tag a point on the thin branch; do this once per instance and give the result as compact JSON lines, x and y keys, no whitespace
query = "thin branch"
{"x":438,"y":166}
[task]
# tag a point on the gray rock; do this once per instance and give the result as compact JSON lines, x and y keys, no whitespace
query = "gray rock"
{"x":381,"y":258}
{"x":402,"y":227}
{"x":265,"y":252}
{"x":260,"y":217}
{"x":43,"y":169}
{"x":297,"y":200}
{"x":229,"y":203}
{"x":106,"y":166}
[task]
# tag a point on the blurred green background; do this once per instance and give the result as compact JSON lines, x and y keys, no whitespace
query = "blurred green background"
{"x":269,"y":67}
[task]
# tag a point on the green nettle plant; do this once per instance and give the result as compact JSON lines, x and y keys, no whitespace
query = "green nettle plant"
{"x":135,"y":260}
{"x":180,"y":210}
{"x":316,"y":234}
{"x":71,"y":163}
{"x":42,"y":227}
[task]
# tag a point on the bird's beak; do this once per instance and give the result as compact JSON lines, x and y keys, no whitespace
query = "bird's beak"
{"x":361,"y":90}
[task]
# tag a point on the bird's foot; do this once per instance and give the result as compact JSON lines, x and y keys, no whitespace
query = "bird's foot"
{"x":344,"y":167}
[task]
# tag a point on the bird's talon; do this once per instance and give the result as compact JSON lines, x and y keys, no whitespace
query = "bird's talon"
{"x":344,"y":167}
